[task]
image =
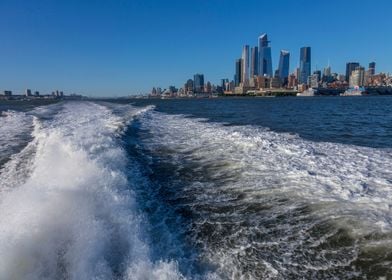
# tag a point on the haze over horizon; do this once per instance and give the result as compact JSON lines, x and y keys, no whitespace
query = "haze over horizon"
{"x":117,"y":48}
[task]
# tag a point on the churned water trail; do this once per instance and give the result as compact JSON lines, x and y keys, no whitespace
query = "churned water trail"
{"x":98,"y":190}
{"x":75,"y":216}
{"x":264,"y":205}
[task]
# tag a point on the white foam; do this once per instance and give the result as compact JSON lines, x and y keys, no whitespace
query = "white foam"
{"x":75,"y":216}
{"x":13,"y":126}
{"x":348,"y":185}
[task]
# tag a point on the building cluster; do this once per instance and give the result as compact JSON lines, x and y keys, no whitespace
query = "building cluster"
{"x":254,"y":74}
{"x":195,"y":87}
{"x":30,"y":95}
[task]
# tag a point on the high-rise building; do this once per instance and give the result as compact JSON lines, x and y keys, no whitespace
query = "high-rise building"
{"x":198,"y":83}
{"x":304,"y":65}
{"x":372,"y":68}
{"x":245,"y":66}
{"x":284,"y":66}
{"x":357,"y":77}
{"x":238,"y":71}
{"x":28,"y":92}
{"x":189,"y":86}
{"x":254,"y":61}
{"x":265,"y":59}
{"x":350,"y":67}
{"x":314,"y":81}
{"x":327,"y":74}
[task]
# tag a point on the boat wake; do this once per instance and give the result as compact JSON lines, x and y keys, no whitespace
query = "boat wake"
{"x":108,"y":191}
{"x":75,"y":216}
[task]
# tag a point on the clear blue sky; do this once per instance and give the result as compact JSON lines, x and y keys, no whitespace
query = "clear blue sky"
{"x":118,"y":47}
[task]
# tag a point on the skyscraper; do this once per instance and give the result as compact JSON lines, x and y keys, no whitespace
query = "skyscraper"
{"x":304,"y":65}
{"x":245,"y":66}
{"x":357,"y":77}
{"x":198,"y":83}
{"x":372,"y":68}
{"x":254,"y":62}
{"x":265,"y":59}
{"x":238,"y":71}
{"x":350,"y":67}
{"x":284,"y":66}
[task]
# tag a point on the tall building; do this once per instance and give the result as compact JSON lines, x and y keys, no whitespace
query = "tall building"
{"x":314,"y":80}
{"x":350,"y":67}
{"x":238,"y":71}
{"x":189,"y":86}
{"x":305,"y":63}
{"x":254,"y":61}
{"x":284,"y":66}
{"x":357,"y":77}
{"x":372,"y":68}
{"x":198,"y":83}
{"x":327,"y":74}
{"x":265,"y":59}
{"x":245,"y":66}
{"x":28,"y":92}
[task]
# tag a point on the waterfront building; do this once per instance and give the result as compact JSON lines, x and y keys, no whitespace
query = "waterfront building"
{"x":318,"y":73}
{"x":198,"y":83}
{"x":314,"y":79}
{"x":36,"y":93}
{"x":304,"y":64}
{"x":292,"y":81}
{"x":245,"y":66}
{"x":254,"y":62}
{"x":341,"y":78}
{"x":265,"y":58}
{"x":263,"y":82}
{"x":253,"y":82}
{"x":189,"y":86}
{"x":28,"y":92}
{"x":327,"y":75}
{"x":357,"y":78}
{"x":7,"y":92}
{"x":350,"y":67}
{"x":372,"y":68}
{"x":238,"y":71}
{"x":275,"y":82}
{"x":208,"y":88}
{"x":297,"y":73}
{"x":284,"y":66}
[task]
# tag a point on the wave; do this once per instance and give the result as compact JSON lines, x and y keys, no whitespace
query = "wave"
{"x":75,"y":216}
{"x":271,"y":205}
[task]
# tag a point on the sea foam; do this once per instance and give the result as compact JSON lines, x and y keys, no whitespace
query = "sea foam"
{"x":75,"y":216}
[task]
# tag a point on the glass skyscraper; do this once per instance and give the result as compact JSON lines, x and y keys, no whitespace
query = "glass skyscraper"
{"x":305,"y":63}
{"x":372,"y":68}
{"x":254,"y":61}
{"x":198,"y":83}
{"x":238,"y":72}
{"x":245,"y":65}
{"x":265,"y":59}
{"x":284,"y":65}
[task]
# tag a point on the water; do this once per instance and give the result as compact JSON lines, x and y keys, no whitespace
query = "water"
{"x":285,"y":188}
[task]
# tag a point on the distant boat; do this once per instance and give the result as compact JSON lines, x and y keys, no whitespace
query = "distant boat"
{"x":355,"y":91}
{"x":308,"y":92}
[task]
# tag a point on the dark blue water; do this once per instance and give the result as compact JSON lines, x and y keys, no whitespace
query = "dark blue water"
{"x":234,"y":188}
{"x":365,"y":121}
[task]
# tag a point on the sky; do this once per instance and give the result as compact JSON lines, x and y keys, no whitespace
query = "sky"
{"x":125,"y":47}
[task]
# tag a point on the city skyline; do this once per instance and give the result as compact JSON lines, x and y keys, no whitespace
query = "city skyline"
{"x":128,"y":47}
